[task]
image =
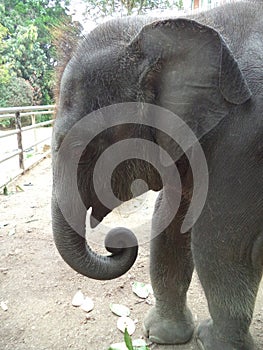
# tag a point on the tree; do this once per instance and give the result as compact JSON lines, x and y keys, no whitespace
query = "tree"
{"x":4,"y":71}
{"x":102,"y":8}
{"x":27,"y":48}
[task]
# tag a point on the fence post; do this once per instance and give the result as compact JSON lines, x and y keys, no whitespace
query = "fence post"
{"x":33,"y":122}
{"x":19,"y":141}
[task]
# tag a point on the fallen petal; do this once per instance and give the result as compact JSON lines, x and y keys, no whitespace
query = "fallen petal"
{"x":138,"y":344}
{"x":142,"y":290}
{"x":78,"y":299}
{"x":87,"y":305}
{"x":126,"y":322}
{"x":120,"y":310}
{"x":150,"y":288}
{"x":118,"y":346}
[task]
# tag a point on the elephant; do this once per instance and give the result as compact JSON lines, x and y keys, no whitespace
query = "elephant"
{"x":208,"y":70}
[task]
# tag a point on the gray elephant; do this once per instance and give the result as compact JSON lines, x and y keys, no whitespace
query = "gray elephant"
{"x":208,"y":70}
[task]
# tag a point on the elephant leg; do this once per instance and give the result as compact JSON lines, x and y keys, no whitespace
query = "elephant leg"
{"x":230,"y":281}
{"x":171,"y":268}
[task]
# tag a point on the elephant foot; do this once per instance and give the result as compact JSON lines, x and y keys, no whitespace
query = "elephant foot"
{"x":178,"y":330}
{"x":208,"y":339}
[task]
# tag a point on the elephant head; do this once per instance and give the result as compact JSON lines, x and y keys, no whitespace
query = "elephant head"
{"x":178,"y":64}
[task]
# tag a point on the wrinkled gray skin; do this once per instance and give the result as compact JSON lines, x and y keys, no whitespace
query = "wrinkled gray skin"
{"x":134,"y":60}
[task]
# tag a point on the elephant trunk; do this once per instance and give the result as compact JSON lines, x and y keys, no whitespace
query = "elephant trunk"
{"x":72,"y":246}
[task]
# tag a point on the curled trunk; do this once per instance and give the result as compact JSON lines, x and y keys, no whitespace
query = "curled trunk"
{"x":72,"y":246}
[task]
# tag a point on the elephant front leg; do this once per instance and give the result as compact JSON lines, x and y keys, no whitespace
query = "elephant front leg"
{"x":171,"y":268}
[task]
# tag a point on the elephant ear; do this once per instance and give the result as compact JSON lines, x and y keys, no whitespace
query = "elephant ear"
{"x":191,"y":72}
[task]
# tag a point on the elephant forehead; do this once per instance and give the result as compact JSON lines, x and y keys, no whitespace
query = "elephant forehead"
{"x":116,"y":31}
{"x":98,"y":80}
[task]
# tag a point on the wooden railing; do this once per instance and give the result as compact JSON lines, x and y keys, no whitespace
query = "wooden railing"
{"x":19,"y":147}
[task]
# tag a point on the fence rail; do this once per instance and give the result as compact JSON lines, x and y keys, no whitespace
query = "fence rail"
{"x":20,"y":149}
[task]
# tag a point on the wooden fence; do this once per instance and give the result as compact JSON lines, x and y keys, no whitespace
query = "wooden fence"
{"x":20,"y":149}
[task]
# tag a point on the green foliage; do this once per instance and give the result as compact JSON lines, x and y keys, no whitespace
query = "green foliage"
{"x":128,"y":340}
{"x":180,"y":4}
{"x":4,"y":75}
{"x":4,"y":71}
{"x":17,"y":92}
{"x":102,"y":8}
{"x":5,"y":191}
{"x":27,"y":50}
{"x":43,"y":118}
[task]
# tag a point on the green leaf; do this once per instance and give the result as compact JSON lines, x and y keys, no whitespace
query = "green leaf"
{"x":5,"y":191}
{"x":128,"y":340}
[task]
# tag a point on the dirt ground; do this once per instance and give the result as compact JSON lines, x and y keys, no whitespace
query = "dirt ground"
{"x":38,"y":287}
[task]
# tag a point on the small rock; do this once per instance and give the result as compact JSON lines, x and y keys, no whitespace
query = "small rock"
{"x":3,"y":224}
{"x":4,"y":269}
{"x":4,"y":306}
{"x":12,"y":232}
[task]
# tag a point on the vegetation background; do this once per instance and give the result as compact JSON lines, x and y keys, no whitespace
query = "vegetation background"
{"x":35,"y":33}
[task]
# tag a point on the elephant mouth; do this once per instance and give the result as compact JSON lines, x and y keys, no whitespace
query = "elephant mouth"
{"x":94,"y":218}
{"x":96,"y":214}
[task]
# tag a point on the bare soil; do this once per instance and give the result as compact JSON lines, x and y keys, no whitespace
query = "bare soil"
{"x":38,"y":287}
